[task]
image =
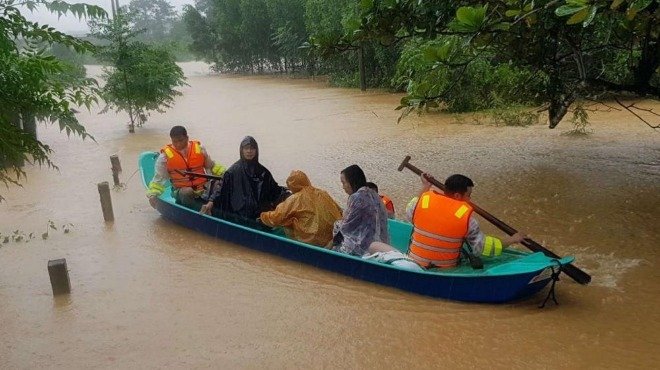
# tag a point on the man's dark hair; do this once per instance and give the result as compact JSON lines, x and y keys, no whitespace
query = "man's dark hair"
{"x":178,"y":131}
{"x":371,"y":185}
{"x":457,"y":184}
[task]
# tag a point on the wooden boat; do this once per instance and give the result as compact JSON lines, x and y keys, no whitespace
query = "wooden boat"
{"x":511,"y":276}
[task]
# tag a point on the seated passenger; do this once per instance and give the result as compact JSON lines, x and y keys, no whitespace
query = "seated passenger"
{"x":307,"y":215}
{"x":365,"y":217}
{"x":182,"y":155}
{"x":443,"y":222}
{"x":389,"y":205}
{"x":247,"y":188}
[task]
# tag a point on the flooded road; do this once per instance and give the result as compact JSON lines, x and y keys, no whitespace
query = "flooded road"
{"x":147,"y":293}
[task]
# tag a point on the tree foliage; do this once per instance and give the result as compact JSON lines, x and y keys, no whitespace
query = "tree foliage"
{"x":276,"y":35}
{"x":572,"y":49}
{"x":155,"y":19}
{"x":143,"y":77}
{"x":37,"y":86}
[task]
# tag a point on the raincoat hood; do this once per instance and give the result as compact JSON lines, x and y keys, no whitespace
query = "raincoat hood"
{"x":297,"y":180}
{"x":249,"y":141}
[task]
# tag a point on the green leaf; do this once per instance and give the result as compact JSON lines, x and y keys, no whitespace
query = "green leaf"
{"x":631,"y":13}
{"x":579,"y":16}
{"x":591,"y":16}
{"x":367,"y":4}
{"x":444,"y":51}
{"x":429,"y":54}
{"x":616,"y":4}
{"x":471,"y":18}
{"x":640,"y":4}
{"x":565,"y":10}
{"x":512,"y":12}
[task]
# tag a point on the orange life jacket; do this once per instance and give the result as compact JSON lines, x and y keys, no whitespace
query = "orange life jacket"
{"x":389,"y":206}
{"x":194,"y":163}
{"x":440,"y":226}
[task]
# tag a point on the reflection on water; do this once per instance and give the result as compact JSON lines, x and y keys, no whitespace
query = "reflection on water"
{"x":62,"y":302}
{"x":147,"y":293}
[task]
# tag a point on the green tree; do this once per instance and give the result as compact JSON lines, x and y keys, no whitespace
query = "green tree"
{"x":568,"y":46}
{"x":143,"y":77}
{"x":155,"y":19}
{"x":289,"y":32}
{"x":36,"y":86}
{"x":204,"y":40}
{"x":256,"y":30}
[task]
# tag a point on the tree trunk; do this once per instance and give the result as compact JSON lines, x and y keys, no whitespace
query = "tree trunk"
{"x":29,"y":124}
{"x":648,"y":62}
{"x":363,"y":77}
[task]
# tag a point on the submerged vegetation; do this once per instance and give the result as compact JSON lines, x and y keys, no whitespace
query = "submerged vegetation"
{"x":459,"y":56}
{"x":553,"y":56}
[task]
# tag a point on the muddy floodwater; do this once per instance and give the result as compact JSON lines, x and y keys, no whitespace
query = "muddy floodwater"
{"x":147,"y":293}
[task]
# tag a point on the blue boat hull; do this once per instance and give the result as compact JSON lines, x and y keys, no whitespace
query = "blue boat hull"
{"x":476,"y":287}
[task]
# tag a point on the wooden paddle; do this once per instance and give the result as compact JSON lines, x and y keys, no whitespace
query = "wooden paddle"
{"x":194,"y":174}
{"x":570,"y":270}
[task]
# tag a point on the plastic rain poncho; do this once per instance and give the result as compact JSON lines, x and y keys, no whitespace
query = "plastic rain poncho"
{"x":365,"y":217}
{"x":307,"y":215}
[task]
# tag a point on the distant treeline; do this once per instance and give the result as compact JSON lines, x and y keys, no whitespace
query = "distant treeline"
{"x":257,"y":36}
{"x":453,"y":55}
{"x":154,"y":22}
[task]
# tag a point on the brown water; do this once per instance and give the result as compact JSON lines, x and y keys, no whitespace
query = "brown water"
{"x":147,"y":293}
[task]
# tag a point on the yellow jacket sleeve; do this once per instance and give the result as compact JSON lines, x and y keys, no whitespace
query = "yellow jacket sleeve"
{"x":283,"y":213}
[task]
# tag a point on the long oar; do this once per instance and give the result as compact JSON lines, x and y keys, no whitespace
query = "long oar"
{"x":194,"y":174}
{"x":570,"y":270}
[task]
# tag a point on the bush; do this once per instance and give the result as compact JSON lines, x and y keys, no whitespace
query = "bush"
{"x":480,"y":85}
{"x":514,"y":117}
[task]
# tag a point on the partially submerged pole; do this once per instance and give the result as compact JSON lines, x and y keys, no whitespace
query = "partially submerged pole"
{"x":106,"y":201}
{"x":59,"y":276}
{"x":116,"y":169}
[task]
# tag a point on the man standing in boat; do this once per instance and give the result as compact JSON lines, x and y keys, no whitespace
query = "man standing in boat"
{"x":182,"y":155}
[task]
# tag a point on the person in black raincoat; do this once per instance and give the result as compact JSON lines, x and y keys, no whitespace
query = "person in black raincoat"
{"x":248,"y":188}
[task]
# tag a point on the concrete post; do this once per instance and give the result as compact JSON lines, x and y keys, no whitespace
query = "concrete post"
{"x":59,"y":276}
{"x":116,"y":169}
{"x":106,"y":201}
